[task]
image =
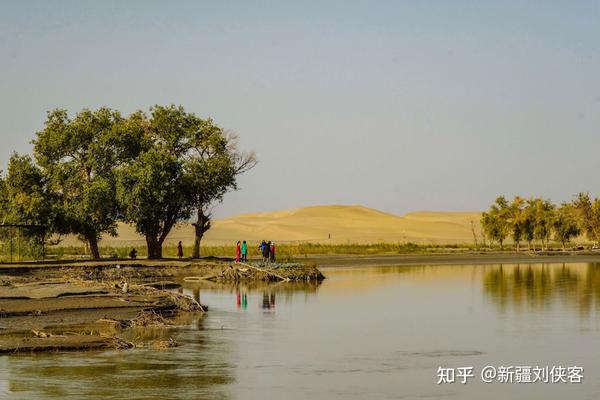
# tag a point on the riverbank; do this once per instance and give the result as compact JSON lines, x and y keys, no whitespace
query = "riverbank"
{"x":60,"y":306}
{"x":454,"y":259}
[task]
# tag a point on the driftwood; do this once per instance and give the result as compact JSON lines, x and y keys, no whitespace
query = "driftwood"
{"x":266,"y":272}
{"x":215,"y":276}
{"x":201,"y":278}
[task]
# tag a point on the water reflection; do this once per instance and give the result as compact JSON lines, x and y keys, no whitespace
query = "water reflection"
{"x":200,"y":366}
{"x":239,"y":292}
{"x":540,"y":286}
{"x":362,"y":333}
{"x":268,"y":301}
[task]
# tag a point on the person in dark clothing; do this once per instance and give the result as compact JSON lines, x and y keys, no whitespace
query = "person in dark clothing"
{"x":133,"y":253}
{"x":272,"y":251}
{"x":180,"y":250}
{"x":265,"y":251}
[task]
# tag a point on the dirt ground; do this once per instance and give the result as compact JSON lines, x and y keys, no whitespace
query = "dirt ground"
{"x":95,"y":305}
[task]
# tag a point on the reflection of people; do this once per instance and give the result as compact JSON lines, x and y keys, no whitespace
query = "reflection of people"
{"x":133,"y":253}
{"x":268,"y":301}
{"x":180,"y":250}
{"x":244,"y":251}
{"x":238,"y":252}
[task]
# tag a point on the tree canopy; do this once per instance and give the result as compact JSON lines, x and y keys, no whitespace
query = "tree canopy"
{"x":539,"y":219}
{"x":98,"y":168}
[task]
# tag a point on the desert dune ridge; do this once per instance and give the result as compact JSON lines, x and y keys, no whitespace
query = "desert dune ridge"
{"x":331,"y":224}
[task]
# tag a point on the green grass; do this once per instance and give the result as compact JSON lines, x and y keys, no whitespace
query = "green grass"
{"x":284,"y":251}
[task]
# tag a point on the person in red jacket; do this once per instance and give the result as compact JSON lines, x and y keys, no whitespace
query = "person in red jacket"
{"x":238,"y":252}
{"x":272,"y":251}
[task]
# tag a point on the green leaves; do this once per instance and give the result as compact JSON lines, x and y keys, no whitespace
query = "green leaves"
{"x":588,"y":215}
{"x":540,"y":219}
{"x":78,"y":158}
{"x":496,"y":222}
{"x":154,"y":192}
{"x":25,"y":199}
{"x":98,"y":168}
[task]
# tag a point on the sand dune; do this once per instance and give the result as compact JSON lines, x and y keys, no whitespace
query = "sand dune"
{"x":326,"y":224}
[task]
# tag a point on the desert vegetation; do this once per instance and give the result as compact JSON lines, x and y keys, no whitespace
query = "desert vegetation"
{"x":150,"y":169}
{"x":539,"y":220}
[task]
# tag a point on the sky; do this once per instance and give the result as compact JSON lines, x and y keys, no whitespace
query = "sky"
{"x":400,"y":105}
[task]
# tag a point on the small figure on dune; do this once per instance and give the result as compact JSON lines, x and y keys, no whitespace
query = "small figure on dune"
{"x":238,"y":252}
{"x":180,"y":250}
{"x":244,"y":251}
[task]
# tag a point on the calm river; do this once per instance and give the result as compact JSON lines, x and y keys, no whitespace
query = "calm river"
{"x":364,"y":333}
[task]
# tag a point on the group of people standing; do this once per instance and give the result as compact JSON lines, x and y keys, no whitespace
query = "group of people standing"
{"x":267,"y":250}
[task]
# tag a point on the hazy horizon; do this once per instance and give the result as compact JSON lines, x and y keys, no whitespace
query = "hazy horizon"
{"x":395,"y":106}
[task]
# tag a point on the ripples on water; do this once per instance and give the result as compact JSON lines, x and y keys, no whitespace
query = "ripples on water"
{"x":376,"y":333}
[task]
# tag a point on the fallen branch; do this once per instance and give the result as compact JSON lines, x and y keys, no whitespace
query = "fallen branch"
{"x":201,"y":278}
{"x":266,"y":272}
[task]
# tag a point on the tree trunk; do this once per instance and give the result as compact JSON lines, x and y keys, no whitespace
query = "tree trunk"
{"x":154,"y":248}
{"x":518,"y":246}
{"x":200,"y":227}
{"x":197,"y":240}
{"x":472,"y":231}
{"x":92,"y":240}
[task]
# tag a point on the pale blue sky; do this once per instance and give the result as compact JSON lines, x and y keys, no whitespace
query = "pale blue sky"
{"x":400,"y":106}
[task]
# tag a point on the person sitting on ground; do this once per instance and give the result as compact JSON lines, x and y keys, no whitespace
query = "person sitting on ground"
{"x":244,"y":251}
{"x":180,"y":250}
{"x":133,"y":253}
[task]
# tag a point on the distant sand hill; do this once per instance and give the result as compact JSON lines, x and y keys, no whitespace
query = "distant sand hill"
{"x":324,"y":224}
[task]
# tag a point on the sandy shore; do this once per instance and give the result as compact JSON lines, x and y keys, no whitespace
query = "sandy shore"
{"x":453,"y":259}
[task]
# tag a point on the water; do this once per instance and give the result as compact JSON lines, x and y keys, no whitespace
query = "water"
{"x":376,"y":333}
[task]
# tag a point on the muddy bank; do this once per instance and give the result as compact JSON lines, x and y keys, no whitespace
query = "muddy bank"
{"x":109,"y":304}
{"x":167,"y":270}
{"x":76,"y":314}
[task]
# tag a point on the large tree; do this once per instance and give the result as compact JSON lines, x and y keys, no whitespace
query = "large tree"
{"x":588,"y":215}
{"x":156,"y":190}
{"x":78,"y":158}
{"x":25,"y":198}
{"x":565,"y":224}
{"x":495,"y":221}
{"x":198,"y":163}
{"x":516,"y":220}
{"x":544,"y":215}
{"x":528,"y":222}
{"x":154,"y":193}
{"x":214,"y":163}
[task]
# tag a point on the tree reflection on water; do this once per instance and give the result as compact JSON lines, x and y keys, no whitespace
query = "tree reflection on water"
{"x":542,"y":285}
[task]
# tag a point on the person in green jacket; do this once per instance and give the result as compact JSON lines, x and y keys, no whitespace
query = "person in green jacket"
{"x":244,"y":252}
